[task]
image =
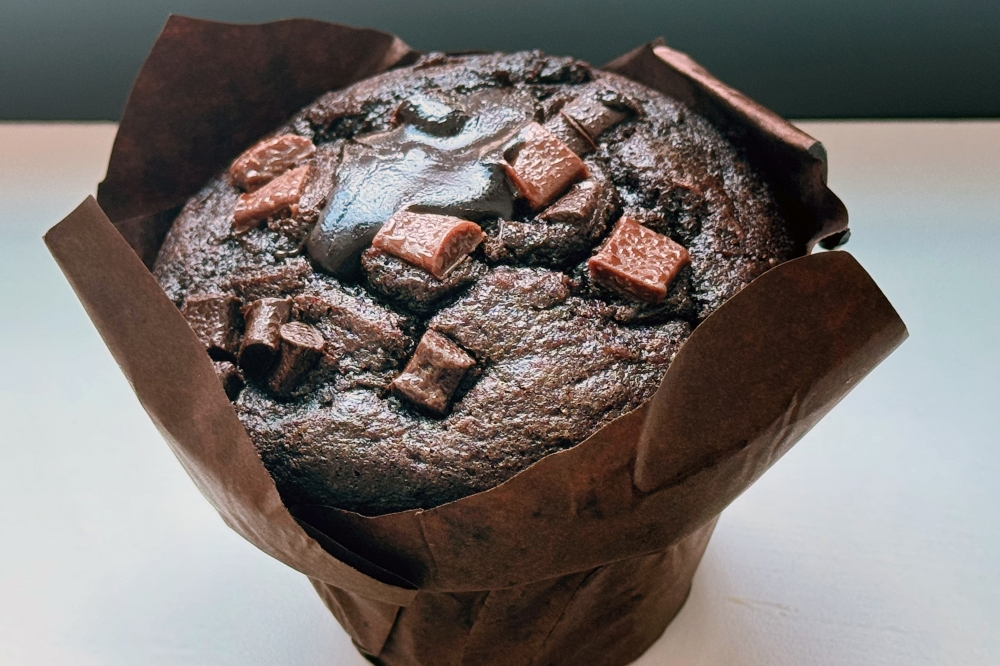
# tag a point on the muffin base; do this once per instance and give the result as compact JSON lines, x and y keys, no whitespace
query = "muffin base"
{"x":607,"y":616}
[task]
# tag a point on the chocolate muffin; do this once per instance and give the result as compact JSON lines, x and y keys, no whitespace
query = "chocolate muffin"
{"x":424,"y":283}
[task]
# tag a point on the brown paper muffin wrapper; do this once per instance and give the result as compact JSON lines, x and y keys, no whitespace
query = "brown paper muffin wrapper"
{"x":584,"y":557}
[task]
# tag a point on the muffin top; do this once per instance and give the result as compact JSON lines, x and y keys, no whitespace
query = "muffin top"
{"x":426,"y":282}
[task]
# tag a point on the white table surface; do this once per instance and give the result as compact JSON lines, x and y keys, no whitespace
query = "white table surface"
{"x":875,"y":541}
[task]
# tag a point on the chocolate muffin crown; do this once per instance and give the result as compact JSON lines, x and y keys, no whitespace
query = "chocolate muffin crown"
{"x":385,"y":228}
{"x":752,"y":378}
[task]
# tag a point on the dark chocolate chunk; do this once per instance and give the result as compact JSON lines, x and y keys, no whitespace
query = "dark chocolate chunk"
{"x":435,"y":243}
{"x":431,"y":116}
{"x":214,"y":318}
{"x":435,"y":371}
{"x":229,"y":375}
{"x":541,"y":166}
{"x":269,"y":158}
{"x":301,"y":346}
{"x":262,"y":337}
{"x":430,"y":59}
{"x":552,"y":99}
{"x":279,"y":195}
{"x":638,"y":262}
{"x":336,"y":106}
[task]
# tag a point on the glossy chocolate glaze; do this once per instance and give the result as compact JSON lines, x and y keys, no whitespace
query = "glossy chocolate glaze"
{"x":421,"y":167}
{"x":556,"y":354}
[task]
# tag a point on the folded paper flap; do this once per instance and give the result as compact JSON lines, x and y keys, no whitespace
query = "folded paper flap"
{"x":207,"y":91}
{"x":159,"y":353}
{"x":793,"y":161}
{"x":352,"y":559}
{"x":744,"y":387}
{"x":751,"y":372}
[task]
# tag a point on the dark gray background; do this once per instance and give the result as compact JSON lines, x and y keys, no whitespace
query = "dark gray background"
{"x":66,"y":59}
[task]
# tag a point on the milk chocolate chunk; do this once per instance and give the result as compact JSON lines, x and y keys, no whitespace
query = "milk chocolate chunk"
{"x":435,"y":243}
{"x":279,"y":195}
{"x":269,"y":158}
{"x":301,"y":346}
{"x":595,"y":113}
{"x":213,"y":317}
{"x":567,"y":131}
{"x":431,"y":116}
{"x":433,"y":373}
{"x":229,"y":375}
{"x":637,"y":262}
{"x":262,"y":337}
{"x":269,"y":281}
{"x":576,"y":206}
{"x":541,"y":166}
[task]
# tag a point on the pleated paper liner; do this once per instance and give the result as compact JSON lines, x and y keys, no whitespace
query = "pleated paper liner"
{"x":584,"y":557}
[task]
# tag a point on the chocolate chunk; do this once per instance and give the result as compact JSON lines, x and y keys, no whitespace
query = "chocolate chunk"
{"x":562,"y":235}
{"x":229,"y":375}
{"x":576,"y":206}
{"x":301,"y":346}
{"x":431,"y":116}
{"x":596,"y":112}
{"x":262,"y":338}
{"x":435,"y":243}
{"x":322,"y":175}
{"x":435,"y":371}
{"x":638,"y":262}
{"x":213,"y":317}
{"x":269,"y":158}
{"x":279,"y":195}
{"x":593,"y":116}
{"x":557,"y":69}
{"x":552,"y":100}
{"x":541,"y":166}
{"x":270,"y":281}
{"x":567,"y":131}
